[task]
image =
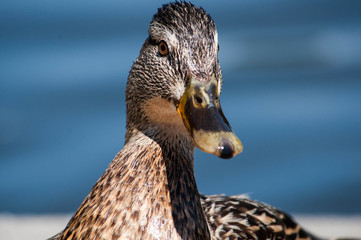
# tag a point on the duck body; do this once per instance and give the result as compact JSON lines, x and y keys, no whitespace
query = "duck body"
{"x":139,"y":197}
{"x":149,"y":189}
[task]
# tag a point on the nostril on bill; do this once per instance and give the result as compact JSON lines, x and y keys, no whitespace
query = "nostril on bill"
{"x":225,"y":148}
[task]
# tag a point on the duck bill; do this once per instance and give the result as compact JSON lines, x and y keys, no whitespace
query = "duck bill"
{"x":201,"y":113}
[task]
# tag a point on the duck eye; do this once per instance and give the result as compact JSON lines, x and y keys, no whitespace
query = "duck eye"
{"x":163,"y":48}
{"x":199,"y":100}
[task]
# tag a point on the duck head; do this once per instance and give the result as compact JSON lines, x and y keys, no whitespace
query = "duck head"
{"x":175,"y":84}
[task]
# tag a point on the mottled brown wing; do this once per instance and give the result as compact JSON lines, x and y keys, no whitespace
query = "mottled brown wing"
{"x":237,"y":217}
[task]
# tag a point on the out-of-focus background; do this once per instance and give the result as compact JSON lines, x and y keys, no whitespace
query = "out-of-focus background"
{"x":292,"y":93}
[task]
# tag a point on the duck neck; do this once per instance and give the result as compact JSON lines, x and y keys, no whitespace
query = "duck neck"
{"x":165,"y":173}
{"x":147,"y":192}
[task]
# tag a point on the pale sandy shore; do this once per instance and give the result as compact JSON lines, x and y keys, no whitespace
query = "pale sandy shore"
{"x":29,"y":227}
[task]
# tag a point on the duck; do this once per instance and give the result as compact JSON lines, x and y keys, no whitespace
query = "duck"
{"x":149,"y":190}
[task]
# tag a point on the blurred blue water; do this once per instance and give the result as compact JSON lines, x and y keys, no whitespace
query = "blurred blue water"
{"x":292,"y":93}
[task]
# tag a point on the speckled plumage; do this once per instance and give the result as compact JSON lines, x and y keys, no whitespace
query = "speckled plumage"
{"x":149,"y":190}
{"x":238,"y":217}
